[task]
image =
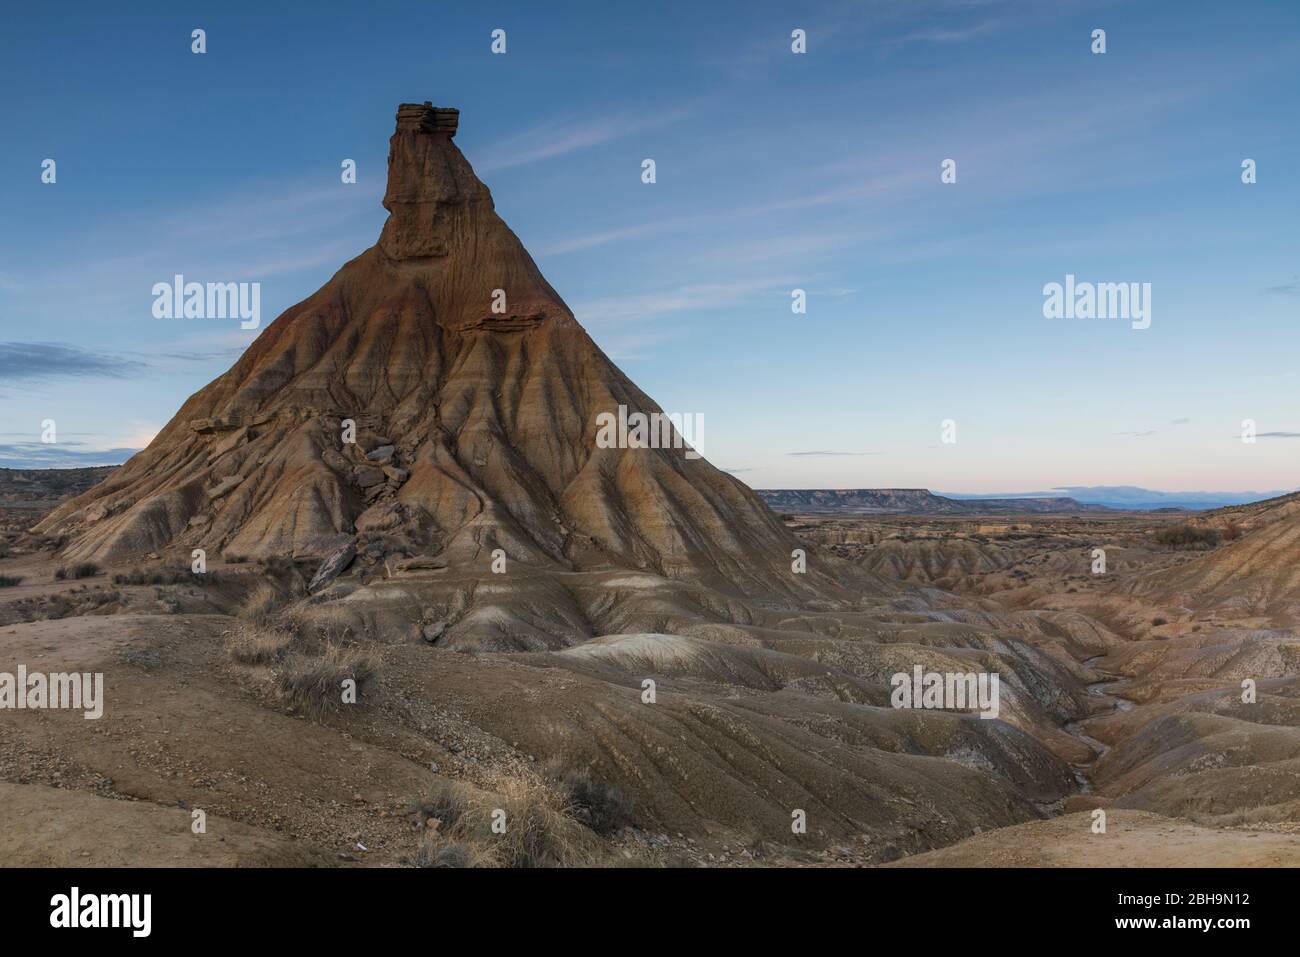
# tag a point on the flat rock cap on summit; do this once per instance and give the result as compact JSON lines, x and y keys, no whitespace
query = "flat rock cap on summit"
{"x":427,"y":118}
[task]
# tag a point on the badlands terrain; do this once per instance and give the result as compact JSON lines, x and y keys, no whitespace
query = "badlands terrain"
{"x":1121,"y":691}
{"x":568,"y":654}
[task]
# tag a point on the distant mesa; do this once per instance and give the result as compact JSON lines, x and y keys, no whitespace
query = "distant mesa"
{"x":910,"y":501}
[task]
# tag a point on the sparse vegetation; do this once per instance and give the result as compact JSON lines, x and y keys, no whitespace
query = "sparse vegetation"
{"x":445,"y":805}
{"x":261,"y":605}
{"x":79,"y":570}
{"x":457,"y":822}
{"x":316,"y":625}
{"x":1230,"y":532}
{"x":537,"y":832}
{"x":164,"y":576}
{"x":313,"y":684}
{"x":252,"y":645}
{"x":311,"y":642}
{"x":278,"y":565}
{"x":8,"y":581}
{"x":62,"y":605}
{"x":590,"y":801}
{"x":435,"y":853}
{"x":1186,"y":536}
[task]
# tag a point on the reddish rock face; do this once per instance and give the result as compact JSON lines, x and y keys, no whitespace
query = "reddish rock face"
{"x":491,"y":415}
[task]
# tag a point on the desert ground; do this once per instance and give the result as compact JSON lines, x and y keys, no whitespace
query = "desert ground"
{"x":1122,"y":691}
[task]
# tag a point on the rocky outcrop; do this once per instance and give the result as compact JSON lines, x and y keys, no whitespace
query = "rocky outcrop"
{"x":479,"y":422}
{"x":334,"y":566}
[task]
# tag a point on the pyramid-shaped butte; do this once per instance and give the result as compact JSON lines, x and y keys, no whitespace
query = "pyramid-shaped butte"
{"x":492,"y":419}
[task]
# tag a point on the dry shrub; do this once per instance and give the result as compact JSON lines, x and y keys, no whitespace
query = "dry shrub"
{"x":165,"y":576}
{"x":79,"y":570}
{"x":537,"y":834}
{"x":317,"y":625}
{"x":446,"y":804}
{"x":1230,"y":532}
{"x":434,"y":852}
{"x":262,"y":605}
{"x":252,"y":645}
{"x":8,"y":581}
{"x":597,"y":804}
{"x":1187,"y":536}
{"x":313,"y":684}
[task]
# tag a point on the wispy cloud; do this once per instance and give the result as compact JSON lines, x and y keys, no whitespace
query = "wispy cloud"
{"x":35,"y":362}
{"x":41,"y":361}
{"x":1173,"y":423}
{"x":854,"y":27}
{"x":831,"y":452}
{"x":695,"y":297}
{"x":954,"y":34}
{"x":560,"y":136}
{"x":37,"y":455}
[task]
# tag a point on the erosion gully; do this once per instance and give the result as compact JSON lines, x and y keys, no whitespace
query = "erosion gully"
{"x":1098,"y":689}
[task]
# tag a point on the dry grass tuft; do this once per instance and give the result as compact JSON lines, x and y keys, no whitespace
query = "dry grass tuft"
{"x":523,"y":824}
{"x":434,"y":852}
{"x":249,"y":644}
{"x":262,"y":605}
{"x":313,"y":684}
{"x":79,"y":570}
{"x":590,"y":801}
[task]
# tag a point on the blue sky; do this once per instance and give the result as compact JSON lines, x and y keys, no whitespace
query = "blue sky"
{"x":775,"y":171}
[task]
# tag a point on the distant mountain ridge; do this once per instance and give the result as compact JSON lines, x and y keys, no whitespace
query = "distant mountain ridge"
{"x":910,"y":501}
{"x":1135,"y":497}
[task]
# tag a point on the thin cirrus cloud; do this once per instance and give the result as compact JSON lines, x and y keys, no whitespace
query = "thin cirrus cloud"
{"x":560,"y":137}
{"x":1173,"y":423}
{"x":832,"y":452}
{"x":954,"y":34}
{"x":685,"y":298}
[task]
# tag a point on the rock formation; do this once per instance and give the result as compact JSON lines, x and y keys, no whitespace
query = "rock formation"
{"x":474,"y":429}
